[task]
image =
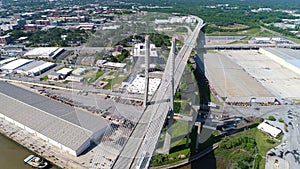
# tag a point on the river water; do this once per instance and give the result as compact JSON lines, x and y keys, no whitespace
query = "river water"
{"x":12,"y":154}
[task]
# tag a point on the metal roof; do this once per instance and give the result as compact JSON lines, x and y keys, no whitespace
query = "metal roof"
{"x":16,"y":64}
{"x":289,"y":55}
{"x":62,"y":111}
{"x":31,"y":65}
{"x":68,"y":134}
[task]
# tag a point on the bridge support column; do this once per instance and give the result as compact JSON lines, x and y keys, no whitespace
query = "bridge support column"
{"x":198,"y":124}
{"x":188,"y":135}
{"x":168,"y":137}
{"x":147,"y":55}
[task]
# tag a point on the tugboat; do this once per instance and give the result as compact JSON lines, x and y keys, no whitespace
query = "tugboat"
{"x":35,"y":162}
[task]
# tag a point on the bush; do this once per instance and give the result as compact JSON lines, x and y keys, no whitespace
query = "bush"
{"x":270,"y":141}
{"x":272,"y":118}
{"x":281,"y":120}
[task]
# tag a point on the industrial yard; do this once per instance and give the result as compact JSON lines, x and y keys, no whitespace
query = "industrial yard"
{"x":249,"y":73}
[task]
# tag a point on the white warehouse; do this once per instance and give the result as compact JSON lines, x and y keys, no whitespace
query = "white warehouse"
{"x":46,"y":52}
{"x":11,"y":66}
{"x":71,"y":130}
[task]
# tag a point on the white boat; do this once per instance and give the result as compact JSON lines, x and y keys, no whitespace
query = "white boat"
{"x":35,"y":161}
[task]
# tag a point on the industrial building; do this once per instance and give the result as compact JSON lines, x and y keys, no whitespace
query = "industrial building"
{"x":140,"y":49}
{"x":265,"y":127}
{"x":71,"y":130}
{"x":41,"y":69}
{"x":60,"y":74}
{"x":11,"y":66}
{"x":79,"y":71}
{"x":110,"y":65}
{"x":137,"y":85}
{"x":74,"y":79}
{"x":288,"y":58}
{"x":5,"y":61}
{"x":46,"y":53}
{"x":35,"y":68}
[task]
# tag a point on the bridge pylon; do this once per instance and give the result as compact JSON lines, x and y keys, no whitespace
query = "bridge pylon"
{"x":168,"y":137}
{"x":147,"y":55}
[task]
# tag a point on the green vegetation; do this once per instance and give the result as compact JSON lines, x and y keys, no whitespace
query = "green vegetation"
{"x":117,"y":80}
{"x":44,"y":78}
{"x":246,"y":149}
{"x":51,"y":37}
{"x":158,"y":39}
{"x":120,"y":58}
{"x":95,"y":77}
{"x":272,"y":118}
{"x":281,"y":120}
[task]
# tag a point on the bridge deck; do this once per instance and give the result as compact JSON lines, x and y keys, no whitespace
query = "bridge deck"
{"x":143,"y":140}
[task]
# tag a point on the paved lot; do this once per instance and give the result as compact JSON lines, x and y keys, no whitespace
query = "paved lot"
{"x":279,"y":80}
{"x":229,"y":79}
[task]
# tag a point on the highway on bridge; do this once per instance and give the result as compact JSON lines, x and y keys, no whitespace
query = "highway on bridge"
{"x":141,"y":145}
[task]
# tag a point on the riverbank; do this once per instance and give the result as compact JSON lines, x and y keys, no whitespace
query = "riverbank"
{"x":12,"y":154}
{"x":43,"y":148}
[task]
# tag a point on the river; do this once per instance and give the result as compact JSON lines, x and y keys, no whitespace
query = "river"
{"x":13,"y":154}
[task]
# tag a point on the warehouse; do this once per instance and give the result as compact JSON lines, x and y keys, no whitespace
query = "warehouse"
{"x":41,"y":69}
{"x":74,"y":79}
{"x":35,"y":68}
{"x":65,"y":72}
{"x":71,"y":130}
{"x":47,"y":53}
{"x":138,"y":85}
{"x":265,"y":127}
{"x":79,"y":71}
{"x":11,"y":66}
{"x":140,"y":50}
{"x":5,"y":61}
{"x":25,"y":68}
{"x":288,"y":58}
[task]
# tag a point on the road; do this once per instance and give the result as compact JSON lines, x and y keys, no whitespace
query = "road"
{"x":143,"y":140}
{"x":289,"y":149}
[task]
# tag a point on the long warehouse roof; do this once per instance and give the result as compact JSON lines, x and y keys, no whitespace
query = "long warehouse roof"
{"x":15,"y":64}
{"x":61,"y":123}
{"x":70,"y":135}
{"x":289,"y":55}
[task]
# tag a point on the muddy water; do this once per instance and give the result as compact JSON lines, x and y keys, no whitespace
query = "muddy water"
{"x":13,"y":154}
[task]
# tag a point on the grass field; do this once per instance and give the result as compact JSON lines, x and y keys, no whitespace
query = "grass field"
{"x":95,"y":77}
{"x":256,"y":158}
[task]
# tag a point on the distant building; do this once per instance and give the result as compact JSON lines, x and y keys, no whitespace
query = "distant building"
{"x":137,"y":85}
{"x":35,"y":68}
{"x":79,"y":71}
{"x":42,"y":22}
{"x":30,"y":27}
{"x":74,"y":79}
{"x":46,"y":52}
{"x":4,"y":40}
{"x":265,"y":127}
{"x":110,"y":65}
{"x":117,"y":50}
{"x":11,"y":66}
{"x":111,"y":27}
{"x":65,"y":72}
{"x":140,"y":50}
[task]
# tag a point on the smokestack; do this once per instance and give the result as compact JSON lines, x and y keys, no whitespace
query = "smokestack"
{"x":147,"y":55}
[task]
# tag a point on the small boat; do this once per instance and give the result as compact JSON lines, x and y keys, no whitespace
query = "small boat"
{"x":35,"y":161}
